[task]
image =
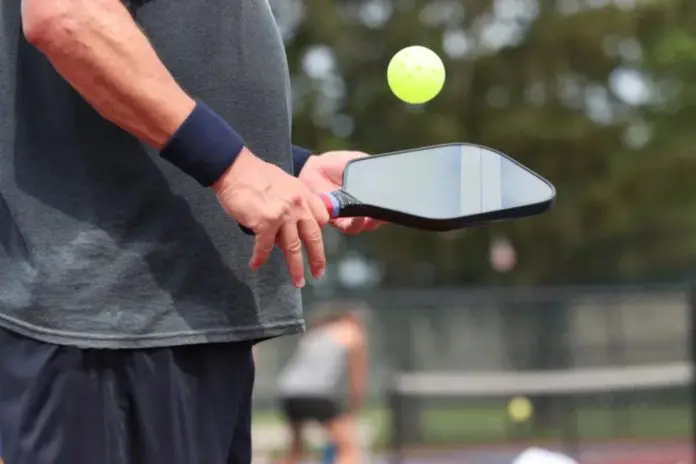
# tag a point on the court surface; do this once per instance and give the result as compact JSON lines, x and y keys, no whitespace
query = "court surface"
{"x":658,"y":453}
{"x":664,"y":453}
{"x":647,"y":446}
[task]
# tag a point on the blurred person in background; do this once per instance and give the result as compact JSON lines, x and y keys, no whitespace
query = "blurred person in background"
{"x":325,"y":382}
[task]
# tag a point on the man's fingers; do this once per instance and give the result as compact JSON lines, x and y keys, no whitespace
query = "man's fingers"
{"x":342,"y":224}
{"x":310,"y":234}
{"x":349,"y":226}
{"x":267,"y":227}
{"x":263,"y":247}
{"x":372,"y":224}
{"x":318,"y":209}
{"x":289,"y":240}
{"x":355,"y":227}
{"x":352,"y":226}
{"x":266,"y":233}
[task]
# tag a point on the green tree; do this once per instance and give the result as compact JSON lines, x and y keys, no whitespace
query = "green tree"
{"x":553,"y":92}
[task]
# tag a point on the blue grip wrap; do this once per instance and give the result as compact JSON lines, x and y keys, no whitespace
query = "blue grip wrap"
{"x":204,"y":146}
{"x":332,"y":204}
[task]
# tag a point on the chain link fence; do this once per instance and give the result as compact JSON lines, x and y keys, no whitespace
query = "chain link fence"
{"x":501,"y":329}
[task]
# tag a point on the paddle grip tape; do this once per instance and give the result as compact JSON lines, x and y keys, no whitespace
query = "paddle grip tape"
{"x":332,"y":204}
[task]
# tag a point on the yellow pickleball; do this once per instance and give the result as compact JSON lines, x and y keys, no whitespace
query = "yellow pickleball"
{"x":520,"y":409}
{"x":416,"y":74}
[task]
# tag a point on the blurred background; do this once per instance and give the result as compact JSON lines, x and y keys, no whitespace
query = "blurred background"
{"x":598,"y":96}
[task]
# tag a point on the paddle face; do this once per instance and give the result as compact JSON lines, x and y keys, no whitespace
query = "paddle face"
{"x":440,"y":188}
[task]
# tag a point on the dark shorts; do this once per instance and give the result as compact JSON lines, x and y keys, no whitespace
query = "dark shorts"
{"x":179,"y":405}
{"x":310,"y":409}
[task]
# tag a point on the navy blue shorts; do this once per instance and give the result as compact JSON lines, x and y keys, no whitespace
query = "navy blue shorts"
{"x":178,"y":405}
{"x":298,"y":410}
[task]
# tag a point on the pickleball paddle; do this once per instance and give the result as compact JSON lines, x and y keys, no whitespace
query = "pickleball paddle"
{"x":440,"y":188}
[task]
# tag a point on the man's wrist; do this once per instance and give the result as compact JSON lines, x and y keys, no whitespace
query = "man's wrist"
{"x":204,"y":146}
{"x":300,"y":156}
{"x":244,"y":162}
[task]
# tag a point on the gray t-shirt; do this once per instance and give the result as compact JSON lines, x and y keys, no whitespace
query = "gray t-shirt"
{"x":102,"y":243}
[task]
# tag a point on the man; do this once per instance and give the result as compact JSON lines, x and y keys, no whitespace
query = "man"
{"x":325,"y":382}
{"x":129,"y":300}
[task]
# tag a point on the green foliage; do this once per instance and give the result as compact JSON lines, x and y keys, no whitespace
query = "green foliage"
{"x":626,"y":206}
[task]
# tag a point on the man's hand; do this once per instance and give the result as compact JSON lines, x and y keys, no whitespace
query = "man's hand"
{"x":279,"y":209}
{"x":325,"y":173}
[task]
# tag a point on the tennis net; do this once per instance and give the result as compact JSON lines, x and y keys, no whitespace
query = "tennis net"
{"x":590,"y":414}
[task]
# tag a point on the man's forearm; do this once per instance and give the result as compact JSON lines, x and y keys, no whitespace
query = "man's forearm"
{"x":97,"y":47}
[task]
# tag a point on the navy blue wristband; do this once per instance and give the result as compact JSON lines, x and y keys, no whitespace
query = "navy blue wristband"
{"x":204,"y":146}
{"x":299,"y":158}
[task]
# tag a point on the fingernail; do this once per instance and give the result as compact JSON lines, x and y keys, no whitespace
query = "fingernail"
{"x":321,"y":273}
{"x":300,"y":283}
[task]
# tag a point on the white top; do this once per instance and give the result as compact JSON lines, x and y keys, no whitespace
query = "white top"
{"x":316,"y":368}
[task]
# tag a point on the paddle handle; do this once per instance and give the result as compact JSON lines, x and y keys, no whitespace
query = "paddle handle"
{"x":339,"y":203}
